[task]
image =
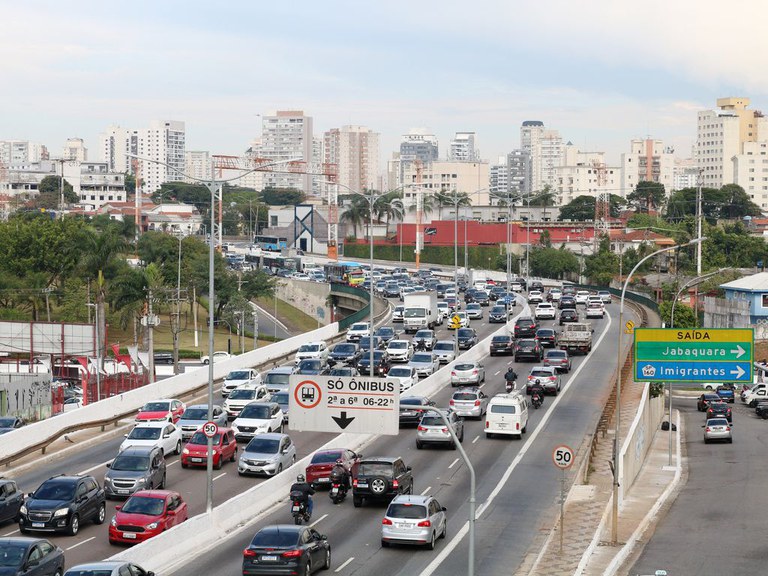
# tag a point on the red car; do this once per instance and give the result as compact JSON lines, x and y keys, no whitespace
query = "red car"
{"x":322,"y":462}
{"x":146,"y":514}
{"x":195,"y":453}
{"x":158,"y":410}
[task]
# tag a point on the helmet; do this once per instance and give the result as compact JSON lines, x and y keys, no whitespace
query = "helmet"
{"x":301,"y":478}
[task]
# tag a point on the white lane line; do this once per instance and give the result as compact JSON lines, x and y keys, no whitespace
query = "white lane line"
{"x":427,"y":489}
{"x":11,"y":533}
{"x":80,"y":543}
{"x":340,"y":568}
{"x":476,"y":439}
{"x":171,"y":463}
{"x":219,"y":476}
{"x":497,"y":372}
{"x":91,"y":469}
{"x":449,"y":547}
{"x":323,"y":517}
{"x":452,"y":464}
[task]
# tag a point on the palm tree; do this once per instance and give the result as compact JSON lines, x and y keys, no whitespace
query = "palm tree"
{"x":357,"y":212}
{"x":455,"y":199}
{"x":428,"y":204}
{"x":388,"y":206}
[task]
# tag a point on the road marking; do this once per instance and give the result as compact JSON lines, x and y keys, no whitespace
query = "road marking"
{"x":340,"y":568}
{"x":476,"y":439}
{"x":85,"y":472}
{"x":497,"y":372}
{"x":219,"y":476}
{"x":427,"y":489}
{"x":324,"y":516}
{"x":171,"y":463}
{"x":452,"y":464}
{"x":11,"y":533}
{"x":80,"y":543}
{"x":449,"y":547}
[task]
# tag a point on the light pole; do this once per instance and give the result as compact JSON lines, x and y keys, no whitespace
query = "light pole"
{"x":617,"y":417}
{"x":98,"y":352}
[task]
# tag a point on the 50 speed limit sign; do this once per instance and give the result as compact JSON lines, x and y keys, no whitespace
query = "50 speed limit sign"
{"x":563,"y":456}
{"x":210,"y":429}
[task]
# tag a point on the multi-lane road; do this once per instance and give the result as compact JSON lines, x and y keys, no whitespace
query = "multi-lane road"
{"x":517,"y":484}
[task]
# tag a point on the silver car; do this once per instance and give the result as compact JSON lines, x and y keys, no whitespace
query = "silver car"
{"x":445,"y":350}
{"x":467,"y":373}
{"x":474,"y":311}
{"x":432,"y":430}
{"x":413,"y":519}
{"x":197,"y":415}
{"x":267,"y":454}
{"x":108,"y":568}
{"x":469,"y":402}
{"x":425,"y":363}
{"x":718,"y":429}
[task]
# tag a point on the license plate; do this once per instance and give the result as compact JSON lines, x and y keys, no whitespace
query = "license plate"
{"x":129,"y":535}
{"x":121,"y":491}
{"x":323,"y":480}
{"x":403,"y":525}
{"x":196,"y":459}
{"x":362,"y":484}
{"x":334,"y":491}
{"x":38,"y":524}
{"x":502,"y":424}
{"x":268,"y":558}
{"x":464,"y":379}
{"x":295,"y":508}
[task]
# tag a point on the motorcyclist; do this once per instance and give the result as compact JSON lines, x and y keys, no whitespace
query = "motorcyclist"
{"x":340,"y":475}
{"x":510,"y":378}
{"x":301,"y":485}
{"x":537,"y":392}
{"x":421,"y":345}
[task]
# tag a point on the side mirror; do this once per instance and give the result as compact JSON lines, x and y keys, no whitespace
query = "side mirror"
{"x":407,"y":468}
{"x":444,"y":509}
{"x":171,"y":512}
{"x":125,"y":435}
{"x":118,"y":507}
{"x":109,"y":464}
{"x":166,"y":435}
{"x":323,"y":537}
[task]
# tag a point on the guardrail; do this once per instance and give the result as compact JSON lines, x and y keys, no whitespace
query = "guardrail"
{"x":362,"y":314}
{"x":629,"y":295}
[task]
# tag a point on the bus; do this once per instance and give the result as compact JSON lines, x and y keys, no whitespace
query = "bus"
{"x":350,"y":273}
{"x":274,"y":263}
{"x":271,"y":243}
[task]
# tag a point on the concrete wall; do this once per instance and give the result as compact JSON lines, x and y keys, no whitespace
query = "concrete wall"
{"x":306,"y":296}
{"x":26,"y":395}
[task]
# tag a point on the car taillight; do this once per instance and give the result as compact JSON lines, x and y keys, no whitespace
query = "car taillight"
{"x":451,"y":402}
{"x":424,"y":524}
{"x":248,"y":553}
{"x":291,"y":554}
{"x":354,"y":482}
{"x":387,"y":522}
{"x":477,"y":402}
{"x":421,"y":429}
{"x":708,"y":429}
{"x":517,"y":426}
{"x":445,"y":430}
{"x":728,"y":428}
{"x":453,"y":373}
{"x":474,"y":372}
{"x":395,"y":484}
{"x":486,"y":423}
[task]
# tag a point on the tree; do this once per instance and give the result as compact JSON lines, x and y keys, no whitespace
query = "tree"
{"x":357,"y":211}
{"x":600,"y":268}
{"x":282,"y":196}
{"x":130,"y":183}
{"x":684,"y":315}
{"x":579,"y":209}
{"x":553,"y":262}
{"x":728,"y":202}
{"x":647,"y":196}
{"x":443,"y":199}
{"x":389,"y":206}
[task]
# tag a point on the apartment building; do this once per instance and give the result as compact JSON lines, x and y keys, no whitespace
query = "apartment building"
{"x":94,"y":184}
{"x":647,"y":161}
{"x":750,"y":170}
{"x":584,"y":174}
{"x":75,"y":150}
{"x":19,"y":152}
{"x":509,"y":176}
{"x":545,"y":149}
{"x":287,"y":135}
{"x":355,"y":151}
{"x":463,"y":148}
{"x":197,"y":166}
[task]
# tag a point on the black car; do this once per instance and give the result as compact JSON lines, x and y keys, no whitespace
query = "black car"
{"x":163,"y":358}
{"x":568,"y":315}
{"x":719,"y":410}
{"x":391,"y":290}
{"x":30,"y":557}
{"x":526,"y":327}
{"x":502,"y":344}
{"x":705,"y":400}
{"x":482,"y":298}
{"x":528,"y":349}
{"x":287,"y":549}
{"x":11,"y":499}
{"x":497,"y":315}
{"x":312,"y":367}
{"x":62,"y":503}
{"x":386,"y":333}
{"x":536,"y":285}
{"x":412,"y":409}
{"x":547,"y":337}
{"x":469,"y":295}
{"x":381,"y":363}
{"x":467,"y":338}
{"x":344,"y":353}
{"x":566,"y":302}
{"x":365,"y":343}
{"x":497,"y":292}
{"x":761,"y":410}
{"x":381,"y":479}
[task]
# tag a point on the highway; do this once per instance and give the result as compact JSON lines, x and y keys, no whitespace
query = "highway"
{"x":715,"y":525}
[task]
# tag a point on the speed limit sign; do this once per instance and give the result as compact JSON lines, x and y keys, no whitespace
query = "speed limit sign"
{"x":563,"y":456}
{"x":210,"y":429}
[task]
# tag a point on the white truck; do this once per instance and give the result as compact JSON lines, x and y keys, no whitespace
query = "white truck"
{"x":576,"y":337}
{"x":420,"y":311}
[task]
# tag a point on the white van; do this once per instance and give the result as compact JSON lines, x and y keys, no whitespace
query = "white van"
{"x":507,"y":415}
{"x":758,"y":393}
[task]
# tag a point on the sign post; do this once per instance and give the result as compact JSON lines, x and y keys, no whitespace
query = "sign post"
{"x":562,"y":457}
{"x":210,"y":429}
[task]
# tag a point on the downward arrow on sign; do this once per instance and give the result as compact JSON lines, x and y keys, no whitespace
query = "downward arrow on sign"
{"x":342,"y":420}
{"x":739,"y":372}
{"x":739,"y":351}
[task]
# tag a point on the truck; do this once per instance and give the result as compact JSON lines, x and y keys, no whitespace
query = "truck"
{"x":576,"y":337}
{"x":420,"y":311}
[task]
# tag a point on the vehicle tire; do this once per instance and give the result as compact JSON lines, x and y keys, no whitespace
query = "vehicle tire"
{"x":58,"y":572}
{"x":74,"y":526}
{"x":764,"y":415}
{"x":308,"y":568}
{"x":297,"y":519}
{"x":419,"y":445}
{"x":379,"y":486}
{"x":452,"y":445}
{"x":384,"y":544}
{"x":706,"y":440}
{"x":161,"y":486}
{"x":431,"y":543}
{"x":184,"y":465}
{"x":357,"y":501}
{"x":461,"y":438}
{"x":525,"y":428}
{"x":206,"y":362}
{"x":410,"y":489}
{"x":327,"y":564}
{"x":445,"y":530}
{"x":279,"y":469}
{"x":234,"y":455}
{"x":22,"y":530}
{"x":177,"y":451}
{"x":730,"y":440}
{"x":101,"y":515}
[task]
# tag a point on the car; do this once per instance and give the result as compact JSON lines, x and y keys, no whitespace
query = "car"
{"x":432,"y":429}
{"x":464,"y":373}
{"x":454,"y":304}
{"x":413,"y":519}
{"x":482,"y":298}
{"x":367,"y":342}
{"x":528,"y":349}
{"x":582,"y":296}
{"x":458,"y":320}
{"x":412,"y":408}
{"x":405,"y":376}
{"x":164,"y":435}
{"x":508,"y":300}
{"x":719,"y":410}
{"x":568,"y":315}
{"x":726,"y":393}
{"x":381,"y":363}
{"x":497,"y":315}
{"x":195,"y":452}
{"x":108,"y":568}
{"x":316,"y":349}
{"x":238,"y":378}
{"x":218,"y":356}
{"x":558,"y":359}
{"x":554,"y":294}
{"x":445,"y":351}
{"x":267,"y":455}
{"x":161,"y":410}
{"x":398,"y":313}
{"x":443,"y":310}
{"x":424,"y":363}
{"x":11,"y":499}
{"x":282,"y":398}
{"x":146,"y":514}
{"x":62,"y":504}
{"x":69,"y":405}
{"x":425,"y":336}
{"x":545,"y":311}
{"x":474,"y":311}
{"x":467,"y":337}
{"x":399,"y":350}
{"x":386,"y":333}
{"x":547,"y":337}
{"x":469,"y":402}
{"x":276,"y":380}
{"x":23,"y":556}
{"x":705,"y":400}
{"x":605,"y":296}
{"x":545,"y":376}
{"x":318,"y":471}
{"x":358,"y":330}
{"x":525,"y":327}
{"x":595,"y":310}
{"x":312,"y":367}
{"x":535,"y":297}
{"x":391,"y":290}
{"x":239,"y":397}
{"x":286,"y":549}
{"x":196,"y":415}
{"x":133,"y":469}
{"x":344,"y":353}
{"x":718,"y":429}
{"x":257,"y":418}
{"x":502,"y":344}
{"x":566,"y":302}
{"x":348,"y":371}
{"x":381,"y":478}
{"x":536,"y":285}
{"x":594,"y":299}
{"x":11,"y":422}
{"x":761,"y":410}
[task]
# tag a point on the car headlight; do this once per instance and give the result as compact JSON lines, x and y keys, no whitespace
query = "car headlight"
{"x":152,"y":526}
{"x":61,"y":512}
{"x":185,"y":451}
{"x":114,"y":521}
{"x":23,"y":509}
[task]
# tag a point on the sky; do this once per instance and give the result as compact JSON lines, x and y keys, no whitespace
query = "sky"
{"x":600,"y":72}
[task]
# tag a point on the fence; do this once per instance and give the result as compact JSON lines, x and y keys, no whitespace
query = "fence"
{"x":633,"y":296}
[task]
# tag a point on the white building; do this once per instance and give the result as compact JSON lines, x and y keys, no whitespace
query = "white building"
{"x":463,"y":148}
{"x":19,"y":152}
{"x":75,"y":150}
{"x":686,"y":174}
{"x":94,"y":184}
{"x":287,"y":135}
{"x":508,"y":178}
{"x":355,"y":150}
{"x":584,"y":174}
{"x":647,"y":161}
{"x":750,"y":171}
{"x":197,"y":166}
{"x":545,"y":148}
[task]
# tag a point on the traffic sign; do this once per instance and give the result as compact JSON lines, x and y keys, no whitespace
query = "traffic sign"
{"x":363,"y":405}
{"x":210,"y":429}
{"x":456,"y":319}
{"x":694,"y":355}
{"x":563,"y":456}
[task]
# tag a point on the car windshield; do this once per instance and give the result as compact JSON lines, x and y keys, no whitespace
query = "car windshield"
{"x":545,"y":332}
{"x":200,"y":439}
{"x":717,"y":422}
{"x":144,"y":505}
{"x":345,"y":348}
{"x":400,"y":372}
{"x":310,"y":365}
{"x":12,"y":555}
{"x":309,"y":348}
{"x":7,"y":422}
{"x":473,"y":306}
{"x":424,"y":334}
{"x":384,"y":332}
{"x":342,"y":372}
{"x":155,"y":407}
{"x":359,"y":327}
{"x":497,"y":310}
{"x":466,"y":333}
{"x":408,"y":511}
{"x":367,"y":342}
{"x":556,"y":354}
{"x":281,"y":398}
{"x":426,"y":358}
{"x":432,"y":420}
{"x":444,"y":346}
{"x":503,"y":409}
{"x":195,"y":414}
{"x":501,"y":339}
{"x":275,"y":538}
{"x":263,"y":445}
{"x":238,"y":375}
{"x":541,"y":373}
{"x":465,"y":396}
{"x":56,"y":491}
{"x":325,"y":457}
{"x":463,"y":367}
{"x":145,"y":433}
{"x":256,"y":412}
{"x":242,"y":394}
{"x":524,"y":321}
{"x":398,"y":345}
{"x":415,"y":312}
{"x":411,"y":401}
{"x":375,"y":469}
{"x":275,"y":378}
{"x":526,"y":342}
{"x":130,"y":463}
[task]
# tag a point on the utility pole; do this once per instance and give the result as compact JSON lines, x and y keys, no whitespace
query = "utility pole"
{"x":151,"y":333}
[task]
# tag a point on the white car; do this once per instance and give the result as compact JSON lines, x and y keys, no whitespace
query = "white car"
{"x":545,"y":310}
{"x":238,"y":378}
{"x":595,"y":310}
{"x":582,"y":296}
{"x":399,"y":350}
{"x":162,"y":434}
{"x":405,"y":375}
{"x":445,"y":350}
{"x":257,"y":418}
{"x":397,"y":313}
{"x":312,"y":350}
{"x":218,"y":356}
{"x":358,"y":330}
{"x":535,"y":296}
{"x":300,"y":276}
{"x":424,"y":363}
{"x":594,"y":298}
{"x":556,"y":294}
{"x":443,"y":310}
{"x":243,"y":395}
{"x":463,"y":321}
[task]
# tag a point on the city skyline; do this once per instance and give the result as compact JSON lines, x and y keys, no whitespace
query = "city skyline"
{"x":600,"y":77}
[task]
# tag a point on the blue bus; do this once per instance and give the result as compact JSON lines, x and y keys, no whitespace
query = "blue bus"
{"x":271,"y":243}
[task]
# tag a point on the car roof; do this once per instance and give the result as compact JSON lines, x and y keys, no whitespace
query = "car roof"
{"x":159,"y":424}
{"x":272,"y":436}
{"x":138,"y":450}
{"x":381,"y":459}
{"x":200,"y":406}
{"x":281,"y":370}
{"x":111,"y":564}
{"x":411,"y":499}
{"x":21,"y":540}
{"x":156,"y":493}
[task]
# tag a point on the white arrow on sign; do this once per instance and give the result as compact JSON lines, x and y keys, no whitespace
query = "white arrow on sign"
{"x":739,"y":372}
{"x":739,"y":351}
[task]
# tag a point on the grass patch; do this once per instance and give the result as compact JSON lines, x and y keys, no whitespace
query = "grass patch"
{"x":296,"y":320}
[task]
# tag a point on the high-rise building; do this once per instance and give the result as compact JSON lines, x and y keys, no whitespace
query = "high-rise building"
{"x":468,"y":177}
{"x":20,"y":152}
{"x":197,"y":166}
{"x":287,"y":135}
{"x":508,"y":177}
{"x":647,"y":161}
{"x":114,"y":145}
{"x":75,"y":150}
{"x":686,"y":174}
{"x":418,"y":146}
{"x":463,"y":148}
{"x":584,"y":174}
{"x":355,"y":150}
{"x":750,"y":169}
{"x":545,"y":148}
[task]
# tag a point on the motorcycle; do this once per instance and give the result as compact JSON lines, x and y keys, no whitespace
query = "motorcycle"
{"x":511,"y":386}
{"x":299,"y":508}
{"x":536,"y":401}
{"x":338,"y":492}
